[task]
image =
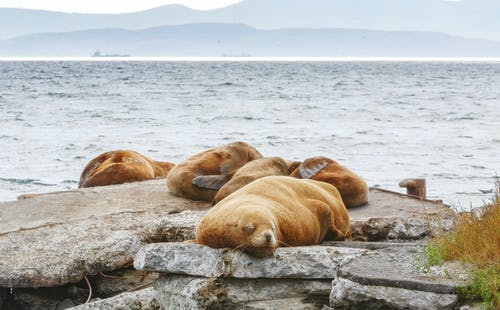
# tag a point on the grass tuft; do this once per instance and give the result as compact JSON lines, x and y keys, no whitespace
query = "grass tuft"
{"x":474,"y":240}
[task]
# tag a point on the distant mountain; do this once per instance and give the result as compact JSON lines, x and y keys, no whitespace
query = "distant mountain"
{"x":241,"y":40}
{"x":466,"y":18}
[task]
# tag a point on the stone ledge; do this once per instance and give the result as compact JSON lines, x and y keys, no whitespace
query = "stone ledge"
{"x":27,"y":259}
{"x":311,"y":262}
{"x":145,"y":299}
{"x":126,"y":216}
{"x":350,"y":295}
{"x":406,"y":266}
{"x":186,"y":292}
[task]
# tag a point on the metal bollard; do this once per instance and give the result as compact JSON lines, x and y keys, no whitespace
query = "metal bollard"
{"x":414,"y":187}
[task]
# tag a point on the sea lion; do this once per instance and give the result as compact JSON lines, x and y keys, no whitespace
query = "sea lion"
{"x":274,"y":211}
{"x":250,"y":172}
{"x":122,"y":166}
{"x":200,"y":176}
{"x":292,"y":165}
{"x":352,"y":188}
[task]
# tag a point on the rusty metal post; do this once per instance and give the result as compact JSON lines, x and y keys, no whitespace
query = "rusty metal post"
{"x":414,"y":187}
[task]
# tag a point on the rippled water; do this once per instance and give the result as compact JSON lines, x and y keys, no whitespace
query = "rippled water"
{"x":385,"y":120}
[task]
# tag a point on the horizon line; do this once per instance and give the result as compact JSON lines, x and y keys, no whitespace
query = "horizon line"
{"x":255,"y":59}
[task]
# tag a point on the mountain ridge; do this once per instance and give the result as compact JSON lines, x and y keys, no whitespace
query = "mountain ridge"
{"x":467,"y":18}
{"x":219,"y":39}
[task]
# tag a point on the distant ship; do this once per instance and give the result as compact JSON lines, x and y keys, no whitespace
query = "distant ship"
{"x":98,"y":53}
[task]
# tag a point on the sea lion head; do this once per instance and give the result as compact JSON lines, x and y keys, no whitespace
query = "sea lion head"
{"x":311,"y":166}
{"x":236,"y":154}
{"x":255,"y":232}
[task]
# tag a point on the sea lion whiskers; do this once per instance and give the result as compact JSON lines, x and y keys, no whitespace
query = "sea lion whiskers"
{"x":283,"y":243}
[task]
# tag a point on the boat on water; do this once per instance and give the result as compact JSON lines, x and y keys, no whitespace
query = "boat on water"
{"x":98,"y":53}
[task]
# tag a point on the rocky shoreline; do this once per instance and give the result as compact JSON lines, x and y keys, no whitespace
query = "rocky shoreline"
{"x":50,"y":244}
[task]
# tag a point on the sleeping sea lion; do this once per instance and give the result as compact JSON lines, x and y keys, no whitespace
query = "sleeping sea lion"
{"x":292,"y":165}
{"x":200,"y":176}
{"x":274,"y":211}
{"x":122,"y":166}
{"x":352,"y":188}
{"x":250,"y":172}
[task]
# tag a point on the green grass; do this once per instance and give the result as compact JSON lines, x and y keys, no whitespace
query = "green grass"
{"x":477,"y":242}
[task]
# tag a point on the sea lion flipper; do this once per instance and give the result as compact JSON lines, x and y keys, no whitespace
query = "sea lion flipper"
{"x":309,"y":169}
{"x":210,"y":181}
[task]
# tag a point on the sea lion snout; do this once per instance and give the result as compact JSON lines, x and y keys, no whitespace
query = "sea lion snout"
{"x":268,"y":236}
{"x":265,"y":238}
{"x":263,"y":244}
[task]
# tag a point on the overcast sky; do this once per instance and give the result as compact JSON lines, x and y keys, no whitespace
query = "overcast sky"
{"x":110,"y":6}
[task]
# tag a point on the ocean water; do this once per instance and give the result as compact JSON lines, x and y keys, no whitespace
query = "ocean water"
{"x":386,"y":121}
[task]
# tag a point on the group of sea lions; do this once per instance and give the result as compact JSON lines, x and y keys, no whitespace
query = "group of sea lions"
{"x":260,"y":203}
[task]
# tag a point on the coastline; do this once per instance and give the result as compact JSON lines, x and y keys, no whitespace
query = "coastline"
{"x":260,"y":59}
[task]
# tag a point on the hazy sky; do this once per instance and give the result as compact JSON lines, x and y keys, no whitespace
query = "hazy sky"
{"x":110,"y":6}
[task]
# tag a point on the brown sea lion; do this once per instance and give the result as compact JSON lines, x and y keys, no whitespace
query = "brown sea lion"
{"x":200,"y":176}
{"x":250,"y":172}
{"x":352,"y":188}
{"x":292,"y":165}
{"x":274,"y":211}
{"x":122,"y":166}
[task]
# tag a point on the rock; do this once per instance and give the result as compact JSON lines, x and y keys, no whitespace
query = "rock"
{"x":46,"y":298}
{"x":393,"y":216}
{"x":116,"y":282}
{"x":394,"y":277}
{"x":185,"y":292}
{"x":350,"y":295}
{"x":3,"y":296}
{"x":105,"y":227}
{"x":144,"y":299}
{"x":311,"y":262}
{"x":370,"y":245}
{"x":407,"y":271}
{"x":297,"y":303}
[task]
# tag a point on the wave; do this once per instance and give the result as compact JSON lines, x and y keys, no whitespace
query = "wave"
{"x":26,"y":181}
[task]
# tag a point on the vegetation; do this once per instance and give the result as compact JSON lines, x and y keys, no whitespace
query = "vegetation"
{"x":474,"y":240}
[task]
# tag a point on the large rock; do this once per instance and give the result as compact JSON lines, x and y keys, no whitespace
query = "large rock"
{"x":393,"y":216}
{"x":145,"y":299}
{"x":186,"y":292}
{"x":396,"y":277}
{"x":372,"y":275}
{"x":351,"y":295}
{"x":407,"y":270}
{"x":54,"y":239}
{"x":311,"y":262}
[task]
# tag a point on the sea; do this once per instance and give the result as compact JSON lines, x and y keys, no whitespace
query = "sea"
{"x":385,"y":119}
